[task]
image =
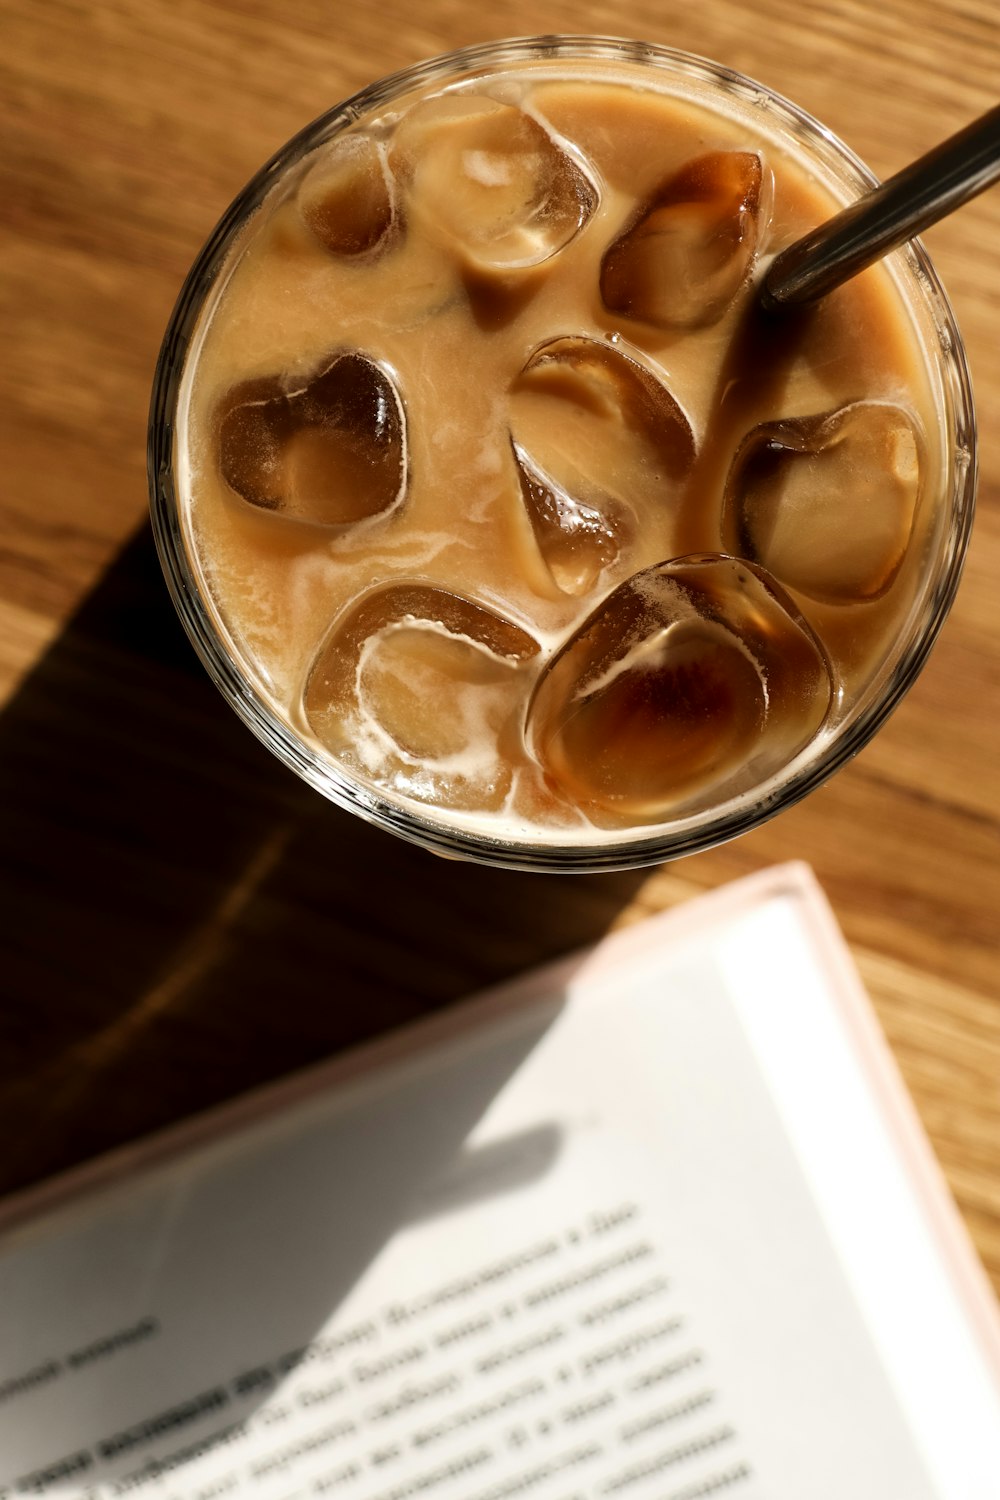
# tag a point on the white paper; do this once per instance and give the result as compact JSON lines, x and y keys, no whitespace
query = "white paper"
{"x":596,"y":1247}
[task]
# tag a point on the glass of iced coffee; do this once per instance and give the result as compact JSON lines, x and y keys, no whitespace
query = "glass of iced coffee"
{"x":495,"y":505}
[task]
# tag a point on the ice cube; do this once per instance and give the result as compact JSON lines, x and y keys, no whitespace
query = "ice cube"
{"x":692,"y":681}
{"x":576,"y":540}
{"x":826,"y":503}
{"x":347,"y":197}
{"x":599,"y":440}
{"x":689,"y":250}
{"x":422,"y":692}
{"x":489,"y":178}
{"x":330,"y":450}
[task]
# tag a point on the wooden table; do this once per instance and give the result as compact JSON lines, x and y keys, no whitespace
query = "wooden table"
{"x":179,"y":918}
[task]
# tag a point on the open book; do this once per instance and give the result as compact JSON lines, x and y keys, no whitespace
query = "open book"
{"x":658,"y":1223}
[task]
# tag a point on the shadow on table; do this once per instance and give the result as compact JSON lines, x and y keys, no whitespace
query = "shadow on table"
{"x":184,"y":919}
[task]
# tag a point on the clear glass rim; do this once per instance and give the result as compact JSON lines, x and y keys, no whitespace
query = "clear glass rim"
{"x":629,"y":848}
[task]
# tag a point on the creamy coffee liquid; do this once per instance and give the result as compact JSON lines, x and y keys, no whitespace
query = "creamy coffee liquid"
{"x":507,"y":499}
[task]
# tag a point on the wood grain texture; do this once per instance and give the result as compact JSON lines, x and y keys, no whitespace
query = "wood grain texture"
{"x":181,"y":919}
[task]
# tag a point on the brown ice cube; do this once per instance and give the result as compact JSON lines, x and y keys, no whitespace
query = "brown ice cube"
{"x":347,"y":197}
{"x":330,"y":450}
{"x":689,"y":250}
{"x":422,"y":692}
{"x":826,"y":503}
{"x":576,"y":540}
{"x":490,"y":179}
{"x":599,"y":440}
{"x":692,"y":681}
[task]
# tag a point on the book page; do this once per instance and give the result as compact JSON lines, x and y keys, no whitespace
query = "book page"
{"x":575,"y":1251}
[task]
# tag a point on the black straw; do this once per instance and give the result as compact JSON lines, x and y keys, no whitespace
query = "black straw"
{"x":948,"y":176}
